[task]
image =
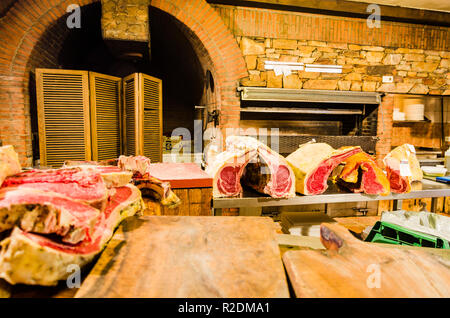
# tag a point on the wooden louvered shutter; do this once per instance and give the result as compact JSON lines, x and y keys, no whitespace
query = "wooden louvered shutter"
{"x":151,"y":117}
{"x":131,"y":115}
{"x":105,"y":116}
{"x":63,"y":116}
{"x":143,"y":116}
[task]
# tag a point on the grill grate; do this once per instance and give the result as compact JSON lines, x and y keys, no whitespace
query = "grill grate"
{"x":288,"y":144}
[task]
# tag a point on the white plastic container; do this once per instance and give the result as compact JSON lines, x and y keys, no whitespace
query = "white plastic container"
{"x":447,"y":159}
{"x":438,"y":171}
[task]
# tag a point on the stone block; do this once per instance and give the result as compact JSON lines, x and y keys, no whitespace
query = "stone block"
{"x":408,"y":51}
{"x":445,"y":63}
{"x":284,"y":44}
{"x":392,"y":59}
{"x":274,"y":81}
{"x":369,"y":86}
{"x":414,"y":57}
{"x":251,"y":60}
{"x":288,"y":58}
{"x":292,"y":81}
{"x":354,"y":47}
{"x":424,"y":66}
{"x":403,"y":87}
{"x":356,"y":86}
{"x":380,"y":69}
{"x":320,"y":84}
{"x":373,"y":48}
{"x":353,"y":77}
{"x":344,"y":85}
{"x":419,"y":89}
{"x":342,"y":46}
{"x":374,"y":57}
{"x":317,"y":43}
{"x":310,"y":75}
{"x":251,"y":47}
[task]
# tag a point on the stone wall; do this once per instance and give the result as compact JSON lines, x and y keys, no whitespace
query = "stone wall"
{"x":125,"y":20}
{"x":415,"y":71}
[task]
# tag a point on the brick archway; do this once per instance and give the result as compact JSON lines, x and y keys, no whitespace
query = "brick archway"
{"x":20,"y":52}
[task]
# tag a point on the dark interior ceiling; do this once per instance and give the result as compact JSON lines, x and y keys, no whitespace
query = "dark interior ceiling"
{"x":4,"y":6}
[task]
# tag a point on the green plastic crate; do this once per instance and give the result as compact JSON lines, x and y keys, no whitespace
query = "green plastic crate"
{"x":384,"y":232}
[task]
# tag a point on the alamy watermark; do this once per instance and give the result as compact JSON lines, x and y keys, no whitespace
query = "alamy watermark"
{"x":73,"y":21}
{"x":74,"y":279}
{"x":374,"y":279}
{"x":374,"y":19}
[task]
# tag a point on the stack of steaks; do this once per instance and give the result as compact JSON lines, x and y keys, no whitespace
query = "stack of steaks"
{"x":58,"y":218}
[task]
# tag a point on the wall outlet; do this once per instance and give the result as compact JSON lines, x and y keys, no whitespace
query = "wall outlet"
{"x":388,"y":79}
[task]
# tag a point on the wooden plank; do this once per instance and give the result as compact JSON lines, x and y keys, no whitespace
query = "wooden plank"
{"x":174,"y":256}
{"x":206,"y":202}
{"x":352,"y":268}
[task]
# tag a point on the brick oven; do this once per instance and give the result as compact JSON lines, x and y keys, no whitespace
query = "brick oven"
{"x":34,"y":34}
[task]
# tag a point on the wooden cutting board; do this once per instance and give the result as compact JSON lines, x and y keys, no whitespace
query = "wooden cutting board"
{"x":179,"y":256}
{"x":181,"y":175}
{"x":353,"y":268}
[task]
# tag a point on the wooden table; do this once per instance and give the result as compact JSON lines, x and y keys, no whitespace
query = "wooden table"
{"x":182,"y":257}
{"x":173,"y":256}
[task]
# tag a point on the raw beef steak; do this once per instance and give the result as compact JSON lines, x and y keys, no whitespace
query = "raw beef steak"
{"x":312,"y":164}
{"x":46,"y":213}
{"x":84,"y":185}
{"x":362,"y":174}
{"x":33,"y":259}
{"x":227,"y":170}
{"x":268,"y":172}
{"x":402,"y":168}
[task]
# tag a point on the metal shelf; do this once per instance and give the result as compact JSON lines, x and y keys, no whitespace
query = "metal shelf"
{"x":314,"y":111}
{"x":424,"y":189}
{"x":308,"y":95}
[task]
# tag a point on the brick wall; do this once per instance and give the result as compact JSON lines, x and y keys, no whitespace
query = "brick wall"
{"x":16,"y":69}
{"x":27,"y":23}
{"x":384,"y":127}
{"x":255,"y":22}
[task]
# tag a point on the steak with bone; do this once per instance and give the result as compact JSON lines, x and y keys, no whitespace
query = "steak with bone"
{"x":150,"y":186}
{"x":227,"y":169}
{"x":34,"y":259}
{"x":251,"y":162}
{"x":112,"y":176}
{"x":84,"y":185}
{"x":362,"y":174}
{"x":268,"y":172}
{"x":46,"y":213}
{"x":402,"y":168}
{"x":313,"y":163}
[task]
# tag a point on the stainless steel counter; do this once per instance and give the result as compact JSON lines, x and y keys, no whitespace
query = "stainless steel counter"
{"x":424,"y":189}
